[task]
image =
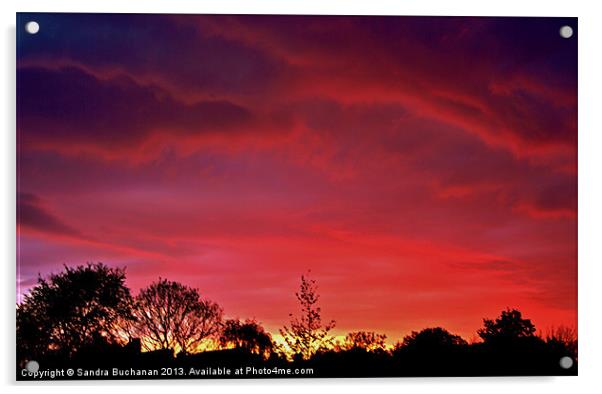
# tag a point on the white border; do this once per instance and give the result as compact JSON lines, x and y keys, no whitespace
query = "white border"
{"x":590,"y":188}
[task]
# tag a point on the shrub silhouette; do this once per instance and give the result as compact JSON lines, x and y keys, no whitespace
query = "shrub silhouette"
{"x":247,"y":335}
{"x":563,"y":338}
{"x":75,"y":308}
{"x":431,"y":339}
{"x":365,"y":340}
{"x":170,"y":315}
{"x":307,"y":335}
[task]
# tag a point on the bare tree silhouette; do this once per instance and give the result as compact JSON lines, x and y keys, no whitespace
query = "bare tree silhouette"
{"x":173,"y":316}
{"x":72,"y":309}
{"x":565,"y":337}
{"x":365,"y":340}
{"x":307,"y":335}
{"x":247,"y":335}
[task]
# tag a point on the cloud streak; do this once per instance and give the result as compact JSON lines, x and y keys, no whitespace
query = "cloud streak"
{"x":32,"y":214}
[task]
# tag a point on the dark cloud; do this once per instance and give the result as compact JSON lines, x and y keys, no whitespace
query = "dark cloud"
{"x":71,"y":105}
{"x":32,"y":214}
{"x":450,"y":64}
{"x":441,"y":61}
{"x":150,"y":45}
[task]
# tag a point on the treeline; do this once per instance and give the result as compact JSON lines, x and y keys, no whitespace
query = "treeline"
{"x":86,"y":315}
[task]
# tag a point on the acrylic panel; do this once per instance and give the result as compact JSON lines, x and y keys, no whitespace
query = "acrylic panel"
{"x":288,"y":196}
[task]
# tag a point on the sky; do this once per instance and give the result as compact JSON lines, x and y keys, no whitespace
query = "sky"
{"x":424,"y":169}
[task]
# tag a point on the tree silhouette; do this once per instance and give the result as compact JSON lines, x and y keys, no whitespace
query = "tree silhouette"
{"x":171,"y":315}
{"x":247,"y":335}
{"x":509,"y":327}
{"x":365,"y":340}
{"x":72,"y":309}
{"x":307,"y":335}
{"x":83,"y":316}
{"x":430,"y":339}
